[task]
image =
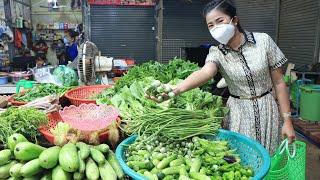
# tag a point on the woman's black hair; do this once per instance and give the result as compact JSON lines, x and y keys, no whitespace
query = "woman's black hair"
{"x":72,"y":33}
{"x":225,"y":6}
{"x":42,"y":56}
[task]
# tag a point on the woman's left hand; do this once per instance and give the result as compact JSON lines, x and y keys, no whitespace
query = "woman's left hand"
{"x":288,"y":131}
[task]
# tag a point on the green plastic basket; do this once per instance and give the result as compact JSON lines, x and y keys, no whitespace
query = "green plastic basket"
{"x":289,"y":162}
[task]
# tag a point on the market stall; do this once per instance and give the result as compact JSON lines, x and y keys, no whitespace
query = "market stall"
{"x":79,"y":103}
{"x":42,"y":137}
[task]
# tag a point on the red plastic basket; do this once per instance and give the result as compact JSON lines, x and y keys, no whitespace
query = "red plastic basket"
{"x":81,"y":95}
{"x":54,"y":118}
{"x":20,"y":103}
{"x":16,"y":103}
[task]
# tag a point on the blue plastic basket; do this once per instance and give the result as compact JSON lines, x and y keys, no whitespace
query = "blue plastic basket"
{"x":252,"y":154}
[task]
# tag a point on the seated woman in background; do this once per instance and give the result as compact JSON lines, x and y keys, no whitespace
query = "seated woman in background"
{"x":41,"y":61}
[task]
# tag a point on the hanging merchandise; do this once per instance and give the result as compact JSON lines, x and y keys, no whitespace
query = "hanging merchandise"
{"x":18,"y":38}
{"x":29,"y":39}
{"x":19,"y":22}
{"x":24,"y":39}
{"x":6,"y":33}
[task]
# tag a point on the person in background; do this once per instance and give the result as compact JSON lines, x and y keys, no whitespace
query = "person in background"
{"x":41,"y":60}
{"x":40,"y":47}
{"x":71,"y":45}
{"x":62,"y":58}
{"x":251,"y":65}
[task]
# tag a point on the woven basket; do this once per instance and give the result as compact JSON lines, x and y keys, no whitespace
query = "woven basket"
{"x":82,"y":95}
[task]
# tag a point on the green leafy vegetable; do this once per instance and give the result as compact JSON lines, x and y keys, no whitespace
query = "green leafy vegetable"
{"x":21,"y":120}
{"x":176,"y":68}
{"x":41,"y":90}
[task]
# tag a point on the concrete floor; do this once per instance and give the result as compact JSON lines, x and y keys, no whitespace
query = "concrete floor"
{"x":313,"y":160}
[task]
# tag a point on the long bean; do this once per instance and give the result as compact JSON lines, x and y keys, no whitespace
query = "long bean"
{"x":172,"y":123}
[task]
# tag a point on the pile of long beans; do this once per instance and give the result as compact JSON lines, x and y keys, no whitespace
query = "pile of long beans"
{"x":173,"y":123}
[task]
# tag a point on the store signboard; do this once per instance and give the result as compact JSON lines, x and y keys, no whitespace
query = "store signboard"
{"x":123,"y":2}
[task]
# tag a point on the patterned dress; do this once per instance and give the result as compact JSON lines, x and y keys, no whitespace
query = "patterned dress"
{"x":248,"y":74}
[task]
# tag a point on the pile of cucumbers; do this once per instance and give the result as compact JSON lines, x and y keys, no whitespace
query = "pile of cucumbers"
{"x":27,"y":161}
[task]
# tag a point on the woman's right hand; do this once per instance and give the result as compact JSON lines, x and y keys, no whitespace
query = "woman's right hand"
{"x":194,"y":80}
{"x":164,"y":96}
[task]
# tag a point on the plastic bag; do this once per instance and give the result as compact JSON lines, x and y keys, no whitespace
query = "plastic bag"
{"x":65,"y":76}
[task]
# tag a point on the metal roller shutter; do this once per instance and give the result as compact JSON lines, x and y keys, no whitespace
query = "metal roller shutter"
{"x":258,"y":15}
{"x":184,"y":21}
{"x":298,"y":30}
{"x":123,"y":31}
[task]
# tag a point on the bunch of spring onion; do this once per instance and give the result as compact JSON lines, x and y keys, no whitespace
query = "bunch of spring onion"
{"x":157,"y":89}
{"x":173,"y":123}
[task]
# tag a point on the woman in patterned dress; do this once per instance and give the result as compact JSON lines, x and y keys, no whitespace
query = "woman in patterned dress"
{"x":250,"y":63}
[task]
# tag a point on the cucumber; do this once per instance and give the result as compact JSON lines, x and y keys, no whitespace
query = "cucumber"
{"x":155,"y":171}
{"x":32,"y":178}
{"x":199,"y":176}
{"x":195,"y":165}
{"x":31,"y":168}
{"x":68,"y":158}
{"x":5,"y":156}
{"x":172,"y":170}
{"x":14,"y":139}
{"x":97,"y":156}
{"x":15,"y":170}
{"x":49,"y":158}
{"x":170,"y":177}
{"x":183,"y":172}
{"x":183,"y":177}
{"x":104,"y":148}
{"x":47,"y":176}
{"x":141,"y":171}
{"x":27,"y":151}
{"x":84,"y":150}
{"x":177,"y":162}
{"x":150,"y":176}
{"x":15,"y":178}
{"x":140,"y":164}
{"x":107,"y":172}
{"x":166,"y":161}
{"x":115,"y":164}
{"x":82,"y":164}
{"x":78,"y":176}
{"x":92,"y":170}
{"x":59,"y":174}
{"x":155,"y":162}
{"x":5,"y":169}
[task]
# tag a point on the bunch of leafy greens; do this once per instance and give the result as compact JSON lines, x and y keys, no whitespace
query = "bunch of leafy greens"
{"x":41,"y":90}
{"x":21,"y":120}
{"x":131,"y":100}
{"x":176,"y":68}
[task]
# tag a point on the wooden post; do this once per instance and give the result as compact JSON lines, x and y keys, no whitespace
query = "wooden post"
{"x":159,"y":12}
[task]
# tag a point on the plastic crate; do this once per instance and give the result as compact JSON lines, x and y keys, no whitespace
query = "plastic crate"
{"x":82,"y":95}
{"x":252,"y":153}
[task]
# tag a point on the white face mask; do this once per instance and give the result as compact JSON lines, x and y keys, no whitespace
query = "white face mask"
{"x":223,"y":32}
